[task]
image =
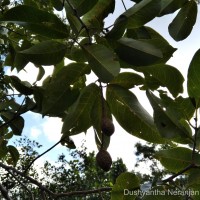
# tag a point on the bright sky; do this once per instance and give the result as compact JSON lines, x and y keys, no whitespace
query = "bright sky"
{"x":47,"y":130}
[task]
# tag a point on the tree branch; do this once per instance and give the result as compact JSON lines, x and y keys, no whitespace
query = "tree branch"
{"x":43,"y":188}
{"x":33,"y":181}
{"x":24,"y":186}
{"x":4,"y":192}
{"x":180,"y":172}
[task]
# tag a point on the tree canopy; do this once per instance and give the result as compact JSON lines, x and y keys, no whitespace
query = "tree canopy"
{"x":125,"y":55}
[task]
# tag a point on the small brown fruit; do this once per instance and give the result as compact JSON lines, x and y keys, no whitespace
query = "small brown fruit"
{"x":104,"y":160}
{"x":107,"y":126}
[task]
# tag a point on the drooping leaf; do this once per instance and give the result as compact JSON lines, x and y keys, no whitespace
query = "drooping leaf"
{"x":138,"y":53}
{"x":126,"y":183}
{"x":102,"y":61}
{"x":170,"y":6}
{"x":45,"y":53}
{"x":131,"y":115}
{"x":102,"y":141}
{"x":78,"y":119}
{"x":183,"y":23}
{"x":128,"y":80}
{"x":142,"y":12}
{"x":167,"y":75}
{"x":193,"y":81}
{"x":14,"y":154}
{"x":176,"y":159}
{"x":38,"y":21}
{"x":168,"y":123}
{"x":16,"y":122}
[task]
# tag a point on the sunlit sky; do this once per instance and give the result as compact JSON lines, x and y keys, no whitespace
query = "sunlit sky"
{"x":47,"y":130}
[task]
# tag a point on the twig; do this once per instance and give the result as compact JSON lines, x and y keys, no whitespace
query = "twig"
{"x":4,"y":192}
{"x":42,"y":155}
{"x":124,"y":5}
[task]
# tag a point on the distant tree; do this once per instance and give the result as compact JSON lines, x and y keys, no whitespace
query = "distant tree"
{"x":80,"y":173}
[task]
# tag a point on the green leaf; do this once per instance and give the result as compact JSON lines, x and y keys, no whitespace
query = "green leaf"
{"x":16,"y":122}
{"x":152,"y":37}
{"x":76,"y":54}
{"x":14,"y":154}
{"x":176,"y":159}
{"x":38,"y":21}
{"x":193,"y":81}
{"x":3,"y":149}
{"x":167,"y":75}
{"x":138,"y":53}
{"x":194,"y":177}
{"x":128,"y":80}
{"x":102,"y":140}
{"x":168,"y":123}
{"x":118,"y":29}
{"x":45,"y":53}
{"x":142,"y":13}
{"x":58,"y":95}
{"x":131,"y":115}
{"x":183,"y":23}
{"x":57,"y":98}
{"x":126,"y":182}
{"x":19,"y":61}
{"x":41,"y":72}
{"x":98,"y":13}
{"x":82,"y":6}
{"x":22,"y":87}
{"x":102,"y":61}
{"x":181,"y":106}
{"x":75,"y":24}
{"x":78,"y":118}
{"x":170,"y":6}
